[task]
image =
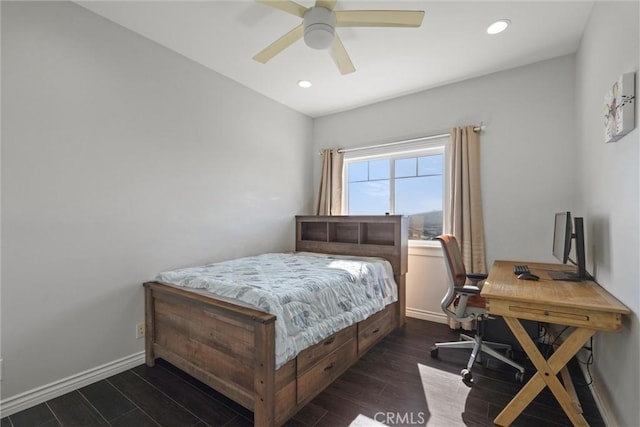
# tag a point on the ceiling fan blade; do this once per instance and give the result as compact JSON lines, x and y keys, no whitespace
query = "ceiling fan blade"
{"x":279,"y":45}
{"x":341,"y":57}
{"x":327,"y":4}
{"x":286,"y":6}
{"x":379,"y":18}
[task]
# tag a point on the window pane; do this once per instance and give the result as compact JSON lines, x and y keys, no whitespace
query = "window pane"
{"x":405,"y":167}
{"x":369,"y":198}
{"x":426,"y":226}
{"x":430,"y":165}
{"x":358,"y":171}
{"x":418,"y":194}
{"x":379,"y":169}
{"x":421,"y":199}
{"x":416,"y":185}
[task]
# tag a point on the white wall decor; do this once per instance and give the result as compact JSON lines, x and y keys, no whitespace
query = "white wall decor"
{"x":619,"y":108}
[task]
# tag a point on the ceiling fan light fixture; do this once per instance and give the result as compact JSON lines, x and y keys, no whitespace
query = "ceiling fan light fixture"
{"x":319,"y":27}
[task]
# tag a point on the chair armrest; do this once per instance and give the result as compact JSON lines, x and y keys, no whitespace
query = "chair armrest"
{"x":467,"y":290}
{"x":475,"y":278}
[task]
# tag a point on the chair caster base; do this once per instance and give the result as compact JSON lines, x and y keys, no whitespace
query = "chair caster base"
{"x":434,"y":352}
{"x":467,"y":378}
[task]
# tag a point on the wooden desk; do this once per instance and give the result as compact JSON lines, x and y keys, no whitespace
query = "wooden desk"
{"x":585,"y":306}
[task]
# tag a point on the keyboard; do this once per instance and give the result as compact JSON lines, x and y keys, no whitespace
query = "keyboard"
{"x":520,"y":269}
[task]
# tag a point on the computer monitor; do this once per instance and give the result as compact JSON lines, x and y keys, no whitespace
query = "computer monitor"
{"x":562,"y":233}
{"x":565,"y":230}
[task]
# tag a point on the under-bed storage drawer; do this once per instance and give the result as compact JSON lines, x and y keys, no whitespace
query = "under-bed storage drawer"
{"x":310,"y":356}
{"x":326,"y":370}
{"x":374,"y":328}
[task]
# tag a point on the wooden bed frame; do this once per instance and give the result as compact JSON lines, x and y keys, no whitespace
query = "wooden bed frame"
{"x":231,"y":346}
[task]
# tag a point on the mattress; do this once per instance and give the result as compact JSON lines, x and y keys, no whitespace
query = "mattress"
{"x":312,"y":295}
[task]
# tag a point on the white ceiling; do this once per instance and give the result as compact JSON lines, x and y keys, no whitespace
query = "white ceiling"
{"x":451,"y":45}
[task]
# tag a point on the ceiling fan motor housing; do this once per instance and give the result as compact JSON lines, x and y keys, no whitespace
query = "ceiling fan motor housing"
{"x":319,"y":27}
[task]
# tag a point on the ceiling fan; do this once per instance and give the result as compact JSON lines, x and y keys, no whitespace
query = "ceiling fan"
{"x":319,"y":23}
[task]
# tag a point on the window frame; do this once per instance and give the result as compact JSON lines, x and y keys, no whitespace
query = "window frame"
{"x":413,"y":148}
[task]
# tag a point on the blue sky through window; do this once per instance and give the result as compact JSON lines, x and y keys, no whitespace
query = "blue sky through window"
{"x":418,"y":185}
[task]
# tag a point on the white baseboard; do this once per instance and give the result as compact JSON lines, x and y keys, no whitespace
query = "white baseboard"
{"x":416,"y":313}
{"x":34,"y":397}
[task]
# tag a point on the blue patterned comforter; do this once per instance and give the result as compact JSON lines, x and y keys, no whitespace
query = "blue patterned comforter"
{"x":312,"y":295}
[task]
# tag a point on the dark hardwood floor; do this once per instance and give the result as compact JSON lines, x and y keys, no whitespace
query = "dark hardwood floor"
{"x":396,"y":383}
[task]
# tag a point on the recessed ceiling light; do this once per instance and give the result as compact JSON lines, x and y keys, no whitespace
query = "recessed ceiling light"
{"x":304,"y":83}
{"x":498,"y":26}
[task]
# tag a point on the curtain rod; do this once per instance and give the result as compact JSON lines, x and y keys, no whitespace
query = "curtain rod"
{"x":406,"y":141}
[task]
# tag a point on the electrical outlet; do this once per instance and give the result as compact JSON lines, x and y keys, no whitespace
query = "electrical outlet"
{"x":140,"y":330}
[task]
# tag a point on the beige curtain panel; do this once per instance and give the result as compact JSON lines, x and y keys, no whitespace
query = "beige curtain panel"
{"x":465,"y":209}
{"x":330,"y":192}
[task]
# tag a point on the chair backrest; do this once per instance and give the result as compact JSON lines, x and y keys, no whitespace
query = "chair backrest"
{"x":457,"y":278}
{"x":454,"y":259}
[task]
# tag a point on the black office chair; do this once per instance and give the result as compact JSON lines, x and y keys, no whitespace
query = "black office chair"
{"x":468,"y":305}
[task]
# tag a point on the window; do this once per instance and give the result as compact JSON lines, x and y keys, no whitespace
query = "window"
{"x":399,"y":179}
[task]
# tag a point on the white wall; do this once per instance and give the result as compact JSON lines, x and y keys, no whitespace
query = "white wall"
{"x":610,"y":188}
{"x":528,"y":149}
{"x":120,"y":159}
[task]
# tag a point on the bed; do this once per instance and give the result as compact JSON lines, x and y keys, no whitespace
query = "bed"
{"x":231,"y":345}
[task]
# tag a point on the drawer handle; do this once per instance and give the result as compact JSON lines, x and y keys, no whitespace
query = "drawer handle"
{"x":375,"y":331}
{"x":330,"y":341}
{"x":328,"y":367}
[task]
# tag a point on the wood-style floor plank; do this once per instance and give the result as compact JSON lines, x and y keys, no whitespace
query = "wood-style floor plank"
{"x":152,"y":401}
{"x":107,"y":400}
{"x":35,"y":416}
{"x":310,"y":414}
{"x":135,"y":418}
{"x":208,"y":409}
{"x":396,"y":382}
{"x":237,"y":408}
{"x":72,"y":409}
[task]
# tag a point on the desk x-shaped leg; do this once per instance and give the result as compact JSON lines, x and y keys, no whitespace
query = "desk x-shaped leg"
{"x":546,"y":375}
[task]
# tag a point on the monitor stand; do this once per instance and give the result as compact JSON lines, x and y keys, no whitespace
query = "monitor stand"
{"x":569,"y":276}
